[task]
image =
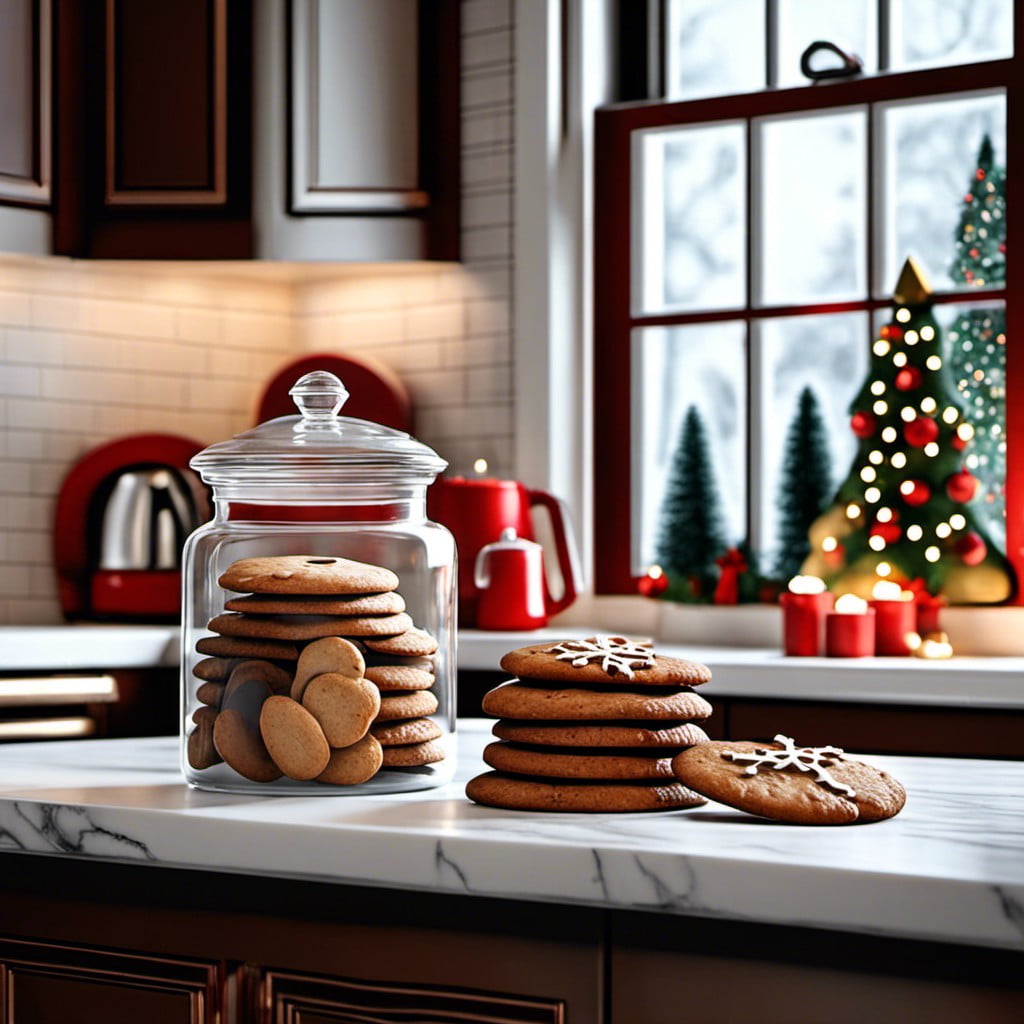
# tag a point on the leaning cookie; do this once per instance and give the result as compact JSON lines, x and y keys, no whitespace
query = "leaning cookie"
{"x":798,"y":785}
{"x":603,"y":659}
{"x":511,"y":792}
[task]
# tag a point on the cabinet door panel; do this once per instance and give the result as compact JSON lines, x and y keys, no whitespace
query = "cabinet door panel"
{"x":166,"y":98}
{"x":355,"y":106}
{"x":41,"y":983}
{"x":25,"y":101}
{"x":311,"y":1000}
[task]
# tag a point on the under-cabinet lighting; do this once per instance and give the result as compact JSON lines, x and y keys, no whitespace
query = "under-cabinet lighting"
{"x":57,"y":690}
{"x":46,"y":728}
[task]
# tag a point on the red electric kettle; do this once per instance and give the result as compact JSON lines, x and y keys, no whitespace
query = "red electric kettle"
{"x":478,"y":510}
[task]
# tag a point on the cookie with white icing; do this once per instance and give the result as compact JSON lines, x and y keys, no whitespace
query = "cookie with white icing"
{"x":602,"y":660}
{"x":784,"y":782}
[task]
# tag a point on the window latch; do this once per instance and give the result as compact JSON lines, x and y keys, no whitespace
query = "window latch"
{"x":850,"y":64}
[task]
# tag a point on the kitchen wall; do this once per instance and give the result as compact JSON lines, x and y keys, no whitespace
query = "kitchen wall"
{"x":92,"y":351}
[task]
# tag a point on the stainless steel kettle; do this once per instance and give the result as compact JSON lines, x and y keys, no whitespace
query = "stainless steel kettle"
{"x":148,"y":514}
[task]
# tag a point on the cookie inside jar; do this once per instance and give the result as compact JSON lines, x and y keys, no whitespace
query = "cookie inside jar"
{"x":319,"y":611}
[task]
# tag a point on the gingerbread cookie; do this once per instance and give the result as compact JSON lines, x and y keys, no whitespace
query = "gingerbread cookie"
{"x":343,"y":707}
{"x":402,"y":733}
{"x":331,"y":654}
{"x":514,"y":700}
{"x":293,"y":738}
{"x":308,"y":627}
{"x":308,"y":575}
{"x":399,"y":677}
{"x":603,"y":659}
{"x":242,"y":747}
{"x":412,"y":643}
{"x":512,"y":792}
{"x":352,"y":765}
{"x":799,"y":785}
{"x":406,"y":705}
{"x":247,"y":647}
{"x":210,"y":693}
{"x":659,"y":735}
{"x":588,"y":764}
{"x":201,"y":750}
{"x":388,"y":603}
{"x":415,"y":755}
{"x":215,"y":670}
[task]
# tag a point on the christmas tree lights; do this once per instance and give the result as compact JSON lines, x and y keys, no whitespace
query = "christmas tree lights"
{"x":977,"y":339}
{"x":904,"y":511}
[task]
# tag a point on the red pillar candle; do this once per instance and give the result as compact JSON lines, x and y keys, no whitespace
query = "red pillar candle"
{"x":850,"y":629}
{"x":804,"y":607}
{"x":895,"y":617}
{"x":928,"y":608}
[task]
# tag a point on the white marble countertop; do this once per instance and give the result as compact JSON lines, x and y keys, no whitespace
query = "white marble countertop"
{"x":976,"y":682}
{"x":949,"y":867}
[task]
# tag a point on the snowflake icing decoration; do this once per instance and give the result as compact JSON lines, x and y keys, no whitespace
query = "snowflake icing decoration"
{"x":816,"y":760}
{"x":616,"y":654}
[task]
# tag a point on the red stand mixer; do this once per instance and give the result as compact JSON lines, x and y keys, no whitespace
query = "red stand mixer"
{"x":510,"y":591}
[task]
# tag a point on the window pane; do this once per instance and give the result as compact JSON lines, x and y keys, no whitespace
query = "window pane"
{"x":713,"y":47}
{"x":812,"y":208}
{"x":927,"y":33}
{"x":851,"y":25}
{"x":674,"y":369}
{"x":830,"y":356}
{"x":689,"y":208}
{"x":930,"y":153}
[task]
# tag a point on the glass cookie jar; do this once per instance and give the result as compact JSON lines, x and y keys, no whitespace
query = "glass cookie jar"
{"x":318,"y":617}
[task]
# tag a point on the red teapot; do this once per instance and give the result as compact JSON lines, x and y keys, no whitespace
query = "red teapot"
{"x":477,"y":511}
{"x":509,"y":578}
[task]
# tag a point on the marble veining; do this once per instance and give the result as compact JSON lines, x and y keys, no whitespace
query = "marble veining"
{"x":949,"y":867}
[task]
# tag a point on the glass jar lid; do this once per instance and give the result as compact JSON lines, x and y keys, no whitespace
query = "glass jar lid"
{"x":319,"y":447}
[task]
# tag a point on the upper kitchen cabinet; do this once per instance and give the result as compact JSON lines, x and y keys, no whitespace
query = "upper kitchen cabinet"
{"x":357,"y":129}
{"x":230,"y":129}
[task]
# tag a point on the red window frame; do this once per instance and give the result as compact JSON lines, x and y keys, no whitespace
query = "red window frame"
{"x":614,"y":319}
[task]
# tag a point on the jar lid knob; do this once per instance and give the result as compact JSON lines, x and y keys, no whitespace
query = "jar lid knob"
{"x":319,"y":395}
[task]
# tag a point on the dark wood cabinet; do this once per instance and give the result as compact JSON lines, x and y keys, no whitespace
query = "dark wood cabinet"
{"x":154,"y":128}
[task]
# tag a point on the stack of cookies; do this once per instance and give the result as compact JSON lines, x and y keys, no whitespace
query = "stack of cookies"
{"x":315,"y":672}
{"x":592,"y":725}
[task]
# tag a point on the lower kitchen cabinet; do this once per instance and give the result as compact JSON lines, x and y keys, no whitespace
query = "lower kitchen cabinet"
{"x":85,"y":942}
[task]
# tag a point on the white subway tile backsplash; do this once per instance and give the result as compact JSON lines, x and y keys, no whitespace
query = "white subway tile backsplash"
{"x":91,"y":351}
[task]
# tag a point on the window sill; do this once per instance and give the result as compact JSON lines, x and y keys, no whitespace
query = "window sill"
{"x":740,"y":646}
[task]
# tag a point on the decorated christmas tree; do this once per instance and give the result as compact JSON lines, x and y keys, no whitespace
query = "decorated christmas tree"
{"x":806,"y":484}
{"x":690,"y":536}
{"x":904,"y":511}
{"x":977,"y":339}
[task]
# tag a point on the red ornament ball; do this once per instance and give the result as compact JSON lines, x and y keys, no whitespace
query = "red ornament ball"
{"x":957,"y":443}
{"x":908,"y":379}
{"x":971,"y":549}
{"x":915,"y":492}
{"x":980,"y":174}
{"x":961,"y":486}
{"x":891,"y":332}
{"x":863,"y":424}
{"x":920,"y":431}
{"x":652,"y":585}
{"x":889,"y":532}
{"x":974,"y":253}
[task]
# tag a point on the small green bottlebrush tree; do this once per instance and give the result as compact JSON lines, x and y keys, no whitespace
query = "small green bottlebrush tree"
{"x":691,"y":536}
{"x":806,"y":484}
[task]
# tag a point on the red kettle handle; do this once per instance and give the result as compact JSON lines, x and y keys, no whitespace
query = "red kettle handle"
{"x":565,"y":549}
